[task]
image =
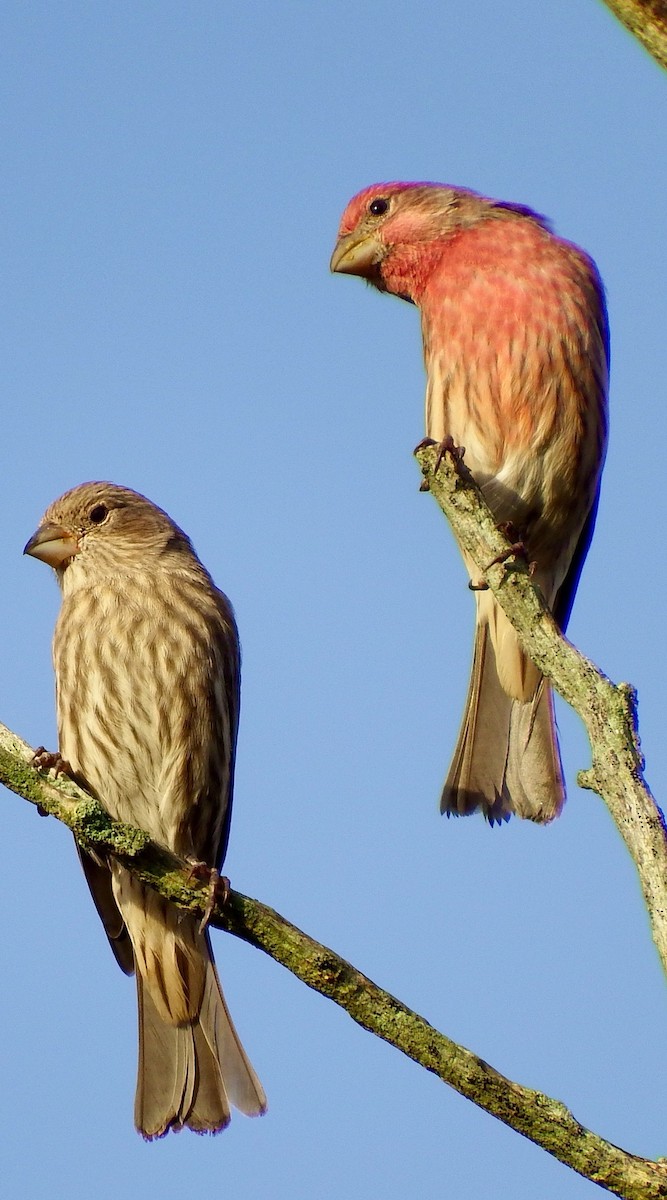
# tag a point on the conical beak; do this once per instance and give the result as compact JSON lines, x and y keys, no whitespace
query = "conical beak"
{"x":52,"y":544}
{"x":357,"y":254}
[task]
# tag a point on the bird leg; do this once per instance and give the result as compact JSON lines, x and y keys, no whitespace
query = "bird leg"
{"x":218,"y":888}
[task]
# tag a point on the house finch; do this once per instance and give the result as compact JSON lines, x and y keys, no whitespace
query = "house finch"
{"x":146,"y":657}
{"x":516,"y":350}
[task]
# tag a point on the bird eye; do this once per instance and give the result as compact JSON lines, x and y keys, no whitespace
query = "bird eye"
{"x":98,"y":514}
{"x":378,"y":207}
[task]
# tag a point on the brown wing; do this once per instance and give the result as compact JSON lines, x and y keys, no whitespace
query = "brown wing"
{"x":600,"y":360}
{"x":565,"y":599}
{"x":98,"y":878}
{"x":231,"y":659}
{"x":210,"y":816}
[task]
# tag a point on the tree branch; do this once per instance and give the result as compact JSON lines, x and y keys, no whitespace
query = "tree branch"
{"x":544,"y":1121}
{"x":647,"y":20}
{"x":608,"y":710}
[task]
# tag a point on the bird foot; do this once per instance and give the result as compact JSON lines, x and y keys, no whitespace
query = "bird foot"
{"x":46,"y":760}
{"x":446,"y":446}
{"x":479,"y":586}
{"x":218,"y":888}
{"x":516,"y":550}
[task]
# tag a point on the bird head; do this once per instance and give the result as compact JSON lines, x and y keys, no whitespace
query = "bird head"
{"x":394,"y":234}
{"x":98,"y":528}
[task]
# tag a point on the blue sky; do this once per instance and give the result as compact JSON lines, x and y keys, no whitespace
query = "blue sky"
{"x":173,"y":179}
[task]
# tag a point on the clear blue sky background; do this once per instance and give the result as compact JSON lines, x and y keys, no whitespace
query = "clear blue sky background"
{"x":173,"y":176}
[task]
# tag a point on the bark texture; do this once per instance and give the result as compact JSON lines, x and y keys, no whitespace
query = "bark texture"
{"x":543,"y":1120}
{"x":647,"y":20}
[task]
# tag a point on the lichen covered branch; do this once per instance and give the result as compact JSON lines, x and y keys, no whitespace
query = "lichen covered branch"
{"x":545,"y":1121}
{"x":608,"y":710}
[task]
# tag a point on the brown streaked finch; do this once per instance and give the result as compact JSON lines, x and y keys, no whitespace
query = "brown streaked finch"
{"x":516,"y":349}
{"x":147,"y":662}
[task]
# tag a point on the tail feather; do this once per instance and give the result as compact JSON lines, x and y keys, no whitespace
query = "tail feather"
{"x":167,"y":1076}
{"x":506,"y":758}
{"x":477,"y":773}
{"x":191,"y":1074}
{"x":534,"y":770}
{"x":240,"y":1081}
{"x":192,"y":1066}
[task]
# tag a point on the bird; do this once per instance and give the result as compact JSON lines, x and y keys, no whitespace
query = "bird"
{"x":147,"y":664}
{"x":516,"y":350}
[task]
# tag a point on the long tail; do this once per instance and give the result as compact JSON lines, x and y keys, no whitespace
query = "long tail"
{"x":192,"y":1066}
{"x":507,"y":758}
{"x":191,"y":1074}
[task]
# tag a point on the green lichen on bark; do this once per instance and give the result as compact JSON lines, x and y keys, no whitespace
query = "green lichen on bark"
{"x":19,"y":777}
{"x":92,"y":826}
{"x":544,"y":1121}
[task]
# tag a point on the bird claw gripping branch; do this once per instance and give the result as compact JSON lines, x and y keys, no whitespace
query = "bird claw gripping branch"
{"x":446,"y":446}
{"x":219,"y":888}
{"x":46,"y":760}
{"x":517,"y":549}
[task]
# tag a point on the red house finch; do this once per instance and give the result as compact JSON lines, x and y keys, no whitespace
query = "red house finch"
{"x":146,"y":656}
{"x":516,"y":350}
